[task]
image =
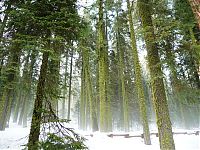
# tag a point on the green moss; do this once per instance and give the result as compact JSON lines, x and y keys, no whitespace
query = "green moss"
{"x":138,"y":79}
{"x":89,"y":90}
{"x":36,"y":118}
{"x":102,"y":66}
{"x":82,"y":102}
{"x":158,"y":91}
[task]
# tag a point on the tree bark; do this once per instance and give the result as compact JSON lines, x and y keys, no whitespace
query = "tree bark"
{"x":25,"y":87}
{"x":158,"y":90}
{"x":138,"y":80}
{"x":70,"y":86}
{"x":83,"y":101}
{"x":195,"y":4}
{"x":122,"y":89}
{"x":37,"y":111}
{"x":102,"y":72}
{"x":89,"y":89}
{"x":9,"y":85}
{"x":65,"y":88}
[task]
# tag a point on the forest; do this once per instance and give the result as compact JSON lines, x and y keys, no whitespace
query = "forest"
{"x":100,"y":65}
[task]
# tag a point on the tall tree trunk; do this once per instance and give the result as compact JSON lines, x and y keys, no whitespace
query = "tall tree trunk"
{"x":107,"y":73}
{"x":23,"y":100}
{"x":158,"y":90}
{"x":102,"y":73}
{"x":1,"y":67}
{"x":92,"y":105}
{"x":24,"y":85}
{"x":54,"y":76}
{"x":65,"y":88}
{"x":123,"y":91}
{"x":17,"y":102}
{"x":2,"y":52}
{"x":37,"y":111}
{"x":9,"y":87}
{"x":89,"y":89}
{"x":29,"y":96}
{"x":138,"y":80}
{"x":83,"y":101}
{"x":70,"y":85}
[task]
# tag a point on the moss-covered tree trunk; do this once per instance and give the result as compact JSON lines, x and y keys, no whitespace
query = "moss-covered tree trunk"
{"x":2,"y":58}
{"x":89,"y":89}
{"x":17,"y":102}
{"x":158,"y":90}
{"x":53,"y":78}
{"x":2,"y":29}
{"x":138,"y":79}
{"x":102,"y":69}
{"x":9,"y":85}
{"x":37,"y":111}
{"x":107,"y":72}
{"x":124,"y":92}
{"x":70,"y":85}
{"x":25,"y":86}
{"x":65,"y":87}
{"x":122,"y":89}
{"x":93,"y":109}
{"x":83,"y":101}
{"x":29,"y":86}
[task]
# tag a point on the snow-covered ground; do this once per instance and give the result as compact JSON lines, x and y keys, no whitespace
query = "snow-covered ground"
{"x":100,"y":141}
{"x":13,"y":137}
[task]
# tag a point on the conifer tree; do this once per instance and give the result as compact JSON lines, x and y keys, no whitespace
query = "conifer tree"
{"x":138,"y":79}
{"x":37,"y":111}
{"x":158,"y":89}
{"x":102,"y":68}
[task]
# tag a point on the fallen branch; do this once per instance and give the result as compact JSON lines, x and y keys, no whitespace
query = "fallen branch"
{"x":112,"y":135}
{"x":142,"y":135}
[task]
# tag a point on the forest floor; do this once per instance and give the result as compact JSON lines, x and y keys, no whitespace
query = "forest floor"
{"x":15,"y":136}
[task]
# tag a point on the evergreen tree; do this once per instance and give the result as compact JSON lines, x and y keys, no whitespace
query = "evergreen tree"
{"x":102,"y":68}
{"x":138,"y":79}
{"x":158,"y":90}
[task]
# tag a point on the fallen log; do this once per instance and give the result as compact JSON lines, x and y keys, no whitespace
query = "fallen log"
{"x":112,"y":135}
{"x":142,"y":135}
{"x":130,"y":136}
{"x":89,"y":135}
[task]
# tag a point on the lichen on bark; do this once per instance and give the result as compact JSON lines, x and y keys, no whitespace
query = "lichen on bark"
{"x":157,"y":85}
{"x":138,"y":79}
